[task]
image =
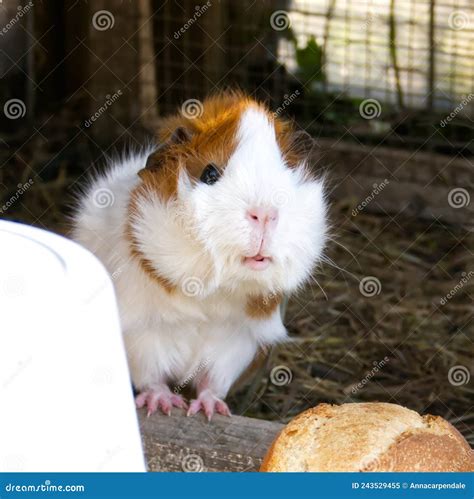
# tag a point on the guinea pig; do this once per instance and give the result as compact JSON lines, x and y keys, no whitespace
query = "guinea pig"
{"x":203,"y":235}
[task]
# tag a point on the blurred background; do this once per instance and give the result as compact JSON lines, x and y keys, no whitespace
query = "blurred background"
{"x":386,"y":90}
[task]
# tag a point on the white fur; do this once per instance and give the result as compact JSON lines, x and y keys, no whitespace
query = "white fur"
{"x":199,"y":240}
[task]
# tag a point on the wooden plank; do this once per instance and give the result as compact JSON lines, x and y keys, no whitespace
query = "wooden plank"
{"x":179,"y":443}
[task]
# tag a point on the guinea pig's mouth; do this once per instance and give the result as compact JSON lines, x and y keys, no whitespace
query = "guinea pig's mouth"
{"x":257,"y":262}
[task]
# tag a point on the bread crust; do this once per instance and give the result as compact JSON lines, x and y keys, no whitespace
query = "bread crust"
{"x":368,"y":437}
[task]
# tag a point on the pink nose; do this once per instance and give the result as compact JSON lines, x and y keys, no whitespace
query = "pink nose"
{"x":262,"y":217}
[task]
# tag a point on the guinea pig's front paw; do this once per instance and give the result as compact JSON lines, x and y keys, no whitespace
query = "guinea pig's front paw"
{"x":161,"y":397}
{"x":208,"y":403}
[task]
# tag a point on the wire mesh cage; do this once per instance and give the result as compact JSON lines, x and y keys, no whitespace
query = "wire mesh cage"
{"x":330,"y":64}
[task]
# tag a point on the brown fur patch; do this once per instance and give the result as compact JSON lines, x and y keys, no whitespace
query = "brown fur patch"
{"x":208,"y":138}
{"x":262,"y":306}
{"x":212,"y":139}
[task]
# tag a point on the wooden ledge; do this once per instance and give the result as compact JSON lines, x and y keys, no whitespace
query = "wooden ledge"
{"x":179,"y":443}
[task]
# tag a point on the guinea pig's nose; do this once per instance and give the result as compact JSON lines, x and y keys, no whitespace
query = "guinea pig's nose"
{"x":262,"y":217}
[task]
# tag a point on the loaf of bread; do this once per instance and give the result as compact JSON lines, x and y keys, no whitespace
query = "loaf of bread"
{"x":368,"y":437}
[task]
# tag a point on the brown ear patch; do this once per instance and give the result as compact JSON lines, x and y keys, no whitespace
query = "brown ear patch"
{"x":295,"y":145}
{"x":262,"y":306}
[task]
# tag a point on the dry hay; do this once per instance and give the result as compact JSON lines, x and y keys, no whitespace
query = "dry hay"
{"x":341,"y":339}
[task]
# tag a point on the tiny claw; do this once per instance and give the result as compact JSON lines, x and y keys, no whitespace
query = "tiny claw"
{"x":209,"y":404}
{"x":223,"y":408}
{"x":161,"y":398}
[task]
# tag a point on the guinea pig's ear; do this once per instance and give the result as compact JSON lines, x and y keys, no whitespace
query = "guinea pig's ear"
{"x":156,"y":159}
{"x":302,"y":143}
{"x":180,"y":135}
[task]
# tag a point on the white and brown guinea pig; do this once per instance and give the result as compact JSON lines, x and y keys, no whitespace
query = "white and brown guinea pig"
{"x":203,"y":235}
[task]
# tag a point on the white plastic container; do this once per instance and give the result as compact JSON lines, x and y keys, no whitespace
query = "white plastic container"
{"x":66,"y":402}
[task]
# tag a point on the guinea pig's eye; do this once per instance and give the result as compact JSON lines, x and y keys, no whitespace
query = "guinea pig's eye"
{"x":210,"y":175}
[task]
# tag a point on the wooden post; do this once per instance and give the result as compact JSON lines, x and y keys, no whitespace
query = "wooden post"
{"x":146,"y":65}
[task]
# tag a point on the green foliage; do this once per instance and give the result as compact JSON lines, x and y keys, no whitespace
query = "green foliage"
{"x":309,"y":60}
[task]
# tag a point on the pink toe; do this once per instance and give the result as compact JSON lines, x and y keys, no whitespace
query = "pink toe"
{"x":208,"y":408}
{"x":140,"y":400}
{"x":178,"y":401}
{"x":194,"y":407}
{"x":165,"y":406}
{"x":152,"y":404}
{"x":222,"y":408}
